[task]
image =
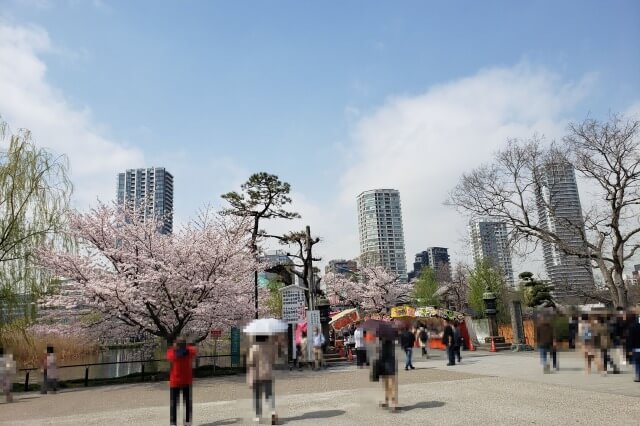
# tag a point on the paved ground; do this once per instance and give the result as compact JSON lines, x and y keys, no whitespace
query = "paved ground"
{"x":485,"y":388}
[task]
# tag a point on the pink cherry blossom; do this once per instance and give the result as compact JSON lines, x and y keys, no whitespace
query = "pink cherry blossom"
{"x":139,"y":280}
{"x":371,"y":288}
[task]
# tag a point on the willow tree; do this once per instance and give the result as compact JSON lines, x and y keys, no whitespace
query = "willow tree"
{"x":35,"y":191}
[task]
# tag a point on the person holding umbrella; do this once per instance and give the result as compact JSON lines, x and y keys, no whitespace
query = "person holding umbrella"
{"x":385,"y":367}
{"x":260,"y":361}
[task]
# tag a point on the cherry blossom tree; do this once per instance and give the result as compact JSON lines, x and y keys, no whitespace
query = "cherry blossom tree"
{"x":162,"y":284}
{"x":371,"y":288}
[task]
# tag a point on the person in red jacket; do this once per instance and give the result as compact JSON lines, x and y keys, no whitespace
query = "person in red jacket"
{"x":181,"y":355}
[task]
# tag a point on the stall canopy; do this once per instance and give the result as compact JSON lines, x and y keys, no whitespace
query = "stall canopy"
{"x":344,"y":318}
{"x":430,"y":312}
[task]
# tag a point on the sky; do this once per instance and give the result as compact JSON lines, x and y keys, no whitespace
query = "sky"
{"x":334,"y":97}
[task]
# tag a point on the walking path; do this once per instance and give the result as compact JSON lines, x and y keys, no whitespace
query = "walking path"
{"x":485,"y":388}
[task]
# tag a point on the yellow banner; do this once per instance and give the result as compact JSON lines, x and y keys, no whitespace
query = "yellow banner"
{"x":403,"y":311}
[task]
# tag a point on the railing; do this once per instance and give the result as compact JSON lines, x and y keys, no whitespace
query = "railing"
{"x":142,"y":363}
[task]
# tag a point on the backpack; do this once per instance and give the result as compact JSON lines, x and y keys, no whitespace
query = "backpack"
{"x":587,"y":335}
{"x":424,"y":336}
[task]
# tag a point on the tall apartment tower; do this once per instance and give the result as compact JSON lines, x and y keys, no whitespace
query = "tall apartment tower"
{"x":559,"y":211}
{"x":440,"y":262}
{"x":490,"y":240}
{"x":436,"y":258}
{"x":380,"y":229}
{"x":153,"y":186}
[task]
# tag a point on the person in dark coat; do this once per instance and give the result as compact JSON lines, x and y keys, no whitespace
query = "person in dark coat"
{"x":423,"y":338}
{"x":545,"y":339}
{"x":448,"y":341}
{"x":633,"y":344}
{"x":573,"y":331}
{"x":387,"y":369}
{"x":407,"y":339}
{"x":457,"y":341}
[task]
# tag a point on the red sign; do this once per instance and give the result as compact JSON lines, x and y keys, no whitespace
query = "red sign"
{"x":216,"y":332}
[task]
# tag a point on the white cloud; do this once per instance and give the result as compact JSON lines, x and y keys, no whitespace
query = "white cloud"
{"x":421,"y":145}
{"x":28,"y":100}
{"x":633,"y":111}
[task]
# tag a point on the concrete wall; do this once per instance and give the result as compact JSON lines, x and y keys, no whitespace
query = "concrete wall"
{"x":478,"y":329}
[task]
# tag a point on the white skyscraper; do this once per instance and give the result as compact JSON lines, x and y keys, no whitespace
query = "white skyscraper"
{"x":380,"y":229}
{"x":153,"y":186}
{"x":490,"y":240}
{"x":559,"y":211}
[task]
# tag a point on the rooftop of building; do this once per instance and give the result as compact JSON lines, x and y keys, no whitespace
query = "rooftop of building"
{"x":370,"y":191}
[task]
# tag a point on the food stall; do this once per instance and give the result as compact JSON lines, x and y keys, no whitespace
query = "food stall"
{"x":341,"y":320}
{"x":433,"y":320}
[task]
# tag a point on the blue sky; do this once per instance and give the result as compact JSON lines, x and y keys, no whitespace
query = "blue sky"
{"x":216,"y":90}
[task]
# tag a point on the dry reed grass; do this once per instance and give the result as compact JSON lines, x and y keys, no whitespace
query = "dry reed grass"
{"x":28,"y":347}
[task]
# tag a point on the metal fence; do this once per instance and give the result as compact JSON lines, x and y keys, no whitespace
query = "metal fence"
{"x":139,"y":370}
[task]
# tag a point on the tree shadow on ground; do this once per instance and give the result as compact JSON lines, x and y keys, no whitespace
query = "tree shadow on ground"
{"x":421,"y":405}
{"x":231,"y":421}
{"x":324,"y":414}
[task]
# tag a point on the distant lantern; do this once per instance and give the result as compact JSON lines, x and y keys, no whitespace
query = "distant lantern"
{"x":490,"y":304}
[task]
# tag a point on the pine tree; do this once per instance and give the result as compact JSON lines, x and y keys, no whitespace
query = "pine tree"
{"x":425,"y":288}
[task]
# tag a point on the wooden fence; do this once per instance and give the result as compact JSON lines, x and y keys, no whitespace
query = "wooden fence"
{"x":506,"y":331}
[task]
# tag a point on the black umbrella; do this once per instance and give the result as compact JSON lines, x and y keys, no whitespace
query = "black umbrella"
{"x":381,"y":329}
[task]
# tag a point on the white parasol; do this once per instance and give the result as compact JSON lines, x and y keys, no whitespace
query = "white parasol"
{"x":265,"y":326}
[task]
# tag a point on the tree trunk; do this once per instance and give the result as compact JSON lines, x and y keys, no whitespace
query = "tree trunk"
{"x":620,"y":293}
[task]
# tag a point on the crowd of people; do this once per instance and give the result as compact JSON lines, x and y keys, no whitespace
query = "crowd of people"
{"x":606,"y":339}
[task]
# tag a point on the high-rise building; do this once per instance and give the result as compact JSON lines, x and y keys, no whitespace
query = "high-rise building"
{"x":420,"y":261}
{"x":341,"y":266}
{"x":559,"y":211}
{"x":380,"y":229}
{"x":636,"y":273}
{"x":490,"y":240}
{"x":153,"y":188}
{"x":439,"y":261}
{"x":436,"y":258}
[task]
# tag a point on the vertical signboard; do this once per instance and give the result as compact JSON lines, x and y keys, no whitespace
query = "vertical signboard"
{"x":313,"y":321}
{"x":293,"y":304}
{"x":235,"y":346}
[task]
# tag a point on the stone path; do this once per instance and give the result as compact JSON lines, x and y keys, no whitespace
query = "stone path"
{"x":485,"y":388}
